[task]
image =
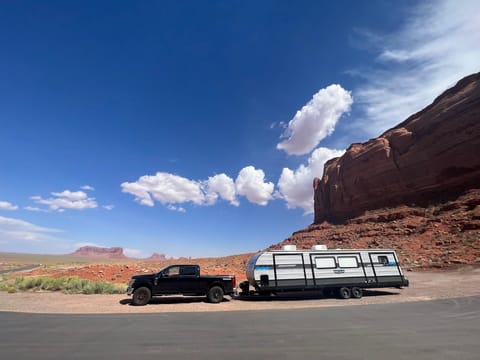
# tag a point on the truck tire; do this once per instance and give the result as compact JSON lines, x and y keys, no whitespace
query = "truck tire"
{"x":141,"y":296}
{"x":215,"y":295}
{"x":357,"y":292}
{"x":344,"y":293}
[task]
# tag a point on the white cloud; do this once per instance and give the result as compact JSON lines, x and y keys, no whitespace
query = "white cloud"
{"x":165,"y":188}
{"x":87,"y":187}
{"x":223,"y":186}
{"x":316,"y":120}
{"x":5,"y":205}
{"x":108,"y":207}
{"x":436,"y":47}
{"x":77,"y":200}
{"x":14,"y":230}
{"x":171,"y":190}
{"x":36,"y":209}
{"x":251,"y":183}
{"x":296,"y":186}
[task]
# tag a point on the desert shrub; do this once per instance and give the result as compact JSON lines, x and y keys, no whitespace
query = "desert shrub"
{"x":68,"y":285}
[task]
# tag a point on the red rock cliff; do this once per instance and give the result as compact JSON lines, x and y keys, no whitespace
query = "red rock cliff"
{"x":433,"y":154}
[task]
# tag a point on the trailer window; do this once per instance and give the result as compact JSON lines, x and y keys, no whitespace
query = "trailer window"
{"x":383,"y":260}
{"x":325,"y":263}
{"x":347,"y":262}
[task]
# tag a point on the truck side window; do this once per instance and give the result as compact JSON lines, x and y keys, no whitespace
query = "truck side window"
{"x":174,"y":270}
{"x":188,"y":270}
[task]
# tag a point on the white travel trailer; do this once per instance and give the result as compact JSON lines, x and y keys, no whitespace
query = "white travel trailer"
{"x":344,"y":272}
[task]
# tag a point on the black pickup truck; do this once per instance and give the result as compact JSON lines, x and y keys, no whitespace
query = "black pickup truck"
{"x":180,"y":279}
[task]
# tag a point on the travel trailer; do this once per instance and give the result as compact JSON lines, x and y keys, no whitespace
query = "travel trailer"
{"x":342,"y":272}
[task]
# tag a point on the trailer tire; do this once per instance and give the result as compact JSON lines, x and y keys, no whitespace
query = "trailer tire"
{"x":141,"y":296}
{"x":215,"y":295}
{"x":357,"y":293}
{"x":344,"y":293}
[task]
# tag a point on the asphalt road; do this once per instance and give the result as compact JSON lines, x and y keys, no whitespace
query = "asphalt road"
{"x":442,"y":329}
{"x":18,"y":269}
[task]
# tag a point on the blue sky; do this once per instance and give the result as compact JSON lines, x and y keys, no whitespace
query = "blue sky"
{"x":195,"y":128}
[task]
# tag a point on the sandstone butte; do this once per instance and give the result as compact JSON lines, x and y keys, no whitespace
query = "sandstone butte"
{"x":99,"y":252}
{"x":432,"y":156}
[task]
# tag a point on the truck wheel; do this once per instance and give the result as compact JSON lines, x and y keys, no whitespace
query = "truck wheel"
{"x":215,"y":294}
{"x":357,"y":292}
{"x":344,"y":293}
{"x":141,"y":296}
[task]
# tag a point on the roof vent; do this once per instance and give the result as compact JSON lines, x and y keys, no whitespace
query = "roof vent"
{"x":289,"y":247}
{"x":319,"y":247}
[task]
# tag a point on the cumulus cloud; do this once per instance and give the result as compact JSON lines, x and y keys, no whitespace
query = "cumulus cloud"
{"x":315,"y":120}
{"x":108,"y":207}
{"x":223,"y":186}
{"x":76,"y":200}
{"x":296,"y":186}
{"x":87,"y":187}
{"x":436,"y":47}
{"x":165,"y":188}
{"x":5,"y":205}
{"x":251,"y":184}
{"x":12,"y":230}
{"x":171,"y":190}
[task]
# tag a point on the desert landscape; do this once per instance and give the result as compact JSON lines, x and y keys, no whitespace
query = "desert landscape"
{"x":415,"y":189}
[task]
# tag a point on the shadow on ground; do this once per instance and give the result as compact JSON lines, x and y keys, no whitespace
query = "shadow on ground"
{"x":163,"y":300}
{"x":307,"y":296}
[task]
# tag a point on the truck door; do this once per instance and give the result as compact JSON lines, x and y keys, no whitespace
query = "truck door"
{"x":167,"y":281}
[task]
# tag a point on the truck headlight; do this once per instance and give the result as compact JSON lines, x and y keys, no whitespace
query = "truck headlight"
{"x":131,"y":282}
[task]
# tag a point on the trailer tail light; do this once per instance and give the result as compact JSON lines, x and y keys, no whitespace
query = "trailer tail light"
{"x":234,"y":282}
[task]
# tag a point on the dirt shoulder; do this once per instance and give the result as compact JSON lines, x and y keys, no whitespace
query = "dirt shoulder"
{"x":424,"y":286}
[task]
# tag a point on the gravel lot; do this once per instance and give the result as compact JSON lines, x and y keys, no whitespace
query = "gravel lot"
{"x":427,"y":285}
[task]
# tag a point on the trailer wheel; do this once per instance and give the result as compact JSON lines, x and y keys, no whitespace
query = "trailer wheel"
{"x":344,"y":293}
{"x":357,"y":293}
{"x":141,"y":296}
{"x":215,"y":294}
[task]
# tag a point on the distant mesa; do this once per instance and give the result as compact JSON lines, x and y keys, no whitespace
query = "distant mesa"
{"x":100,"y":252}
{"x":158,"y":257}
{"x":431,"y":156}
{"x":97,"y":252}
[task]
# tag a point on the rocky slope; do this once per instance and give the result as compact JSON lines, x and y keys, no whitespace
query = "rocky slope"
{"x":99,"y":252}
{"x":432,"y":156}
{"x":437,"y":236}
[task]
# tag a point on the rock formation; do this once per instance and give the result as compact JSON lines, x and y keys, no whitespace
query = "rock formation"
{"x":100,"y":252}
{"x":432,"y":155}
{"x":157,"y":257}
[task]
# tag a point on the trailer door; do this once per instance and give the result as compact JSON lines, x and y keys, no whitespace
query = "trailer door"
{"x":289,"y":270}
